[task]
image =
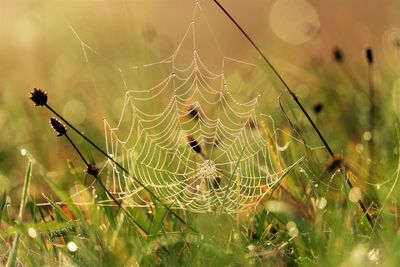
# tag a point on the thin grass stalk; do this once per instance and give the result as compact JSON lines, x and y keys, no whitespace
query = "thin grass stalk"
{"x":115,"y":162}
{"x":12,"y":258}
{"x":294,"y":97}
{"x":274,"y":70}
{"x":372,"y":110}
{"x":96,"y":176}
{"x":392,"y":188}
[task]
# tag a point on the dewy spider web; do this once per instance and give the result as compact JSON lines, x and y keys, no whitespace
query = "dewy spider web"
{"x":239,"y":162}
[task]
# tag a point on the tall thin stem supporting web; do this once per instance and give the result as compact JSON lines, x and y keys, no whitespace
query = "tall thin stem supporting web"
{"x":179,"y":102}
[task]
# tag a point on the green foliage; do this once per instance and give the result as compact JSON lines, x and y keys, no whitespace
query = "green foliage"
{"x":289,"y":227}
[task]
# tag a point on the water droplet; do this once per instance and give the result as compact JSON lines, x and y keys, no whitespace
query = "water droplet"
{"x":290,"y":225}
{"x":373,"y":255}
{"x":321,"y":203}
{"x":23,"y":152}
{"x":378,"y":186}
{"x":72,"y":246}
{"x":32,"y":232}
{"x":251,"y":247}
{"x":284,"y":147}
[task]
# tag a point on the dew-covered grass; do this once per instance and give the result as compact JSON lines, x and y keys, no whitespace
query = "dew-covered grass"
{"x":114,"y":190}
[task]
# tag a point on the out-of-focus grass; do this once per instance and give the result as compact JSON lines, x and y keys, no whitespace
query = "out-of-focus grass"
{"x":39,"y":48}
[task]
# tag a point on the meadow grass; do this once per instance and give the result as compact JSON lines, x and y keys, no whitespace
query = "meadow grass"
{"x":311,"y":218}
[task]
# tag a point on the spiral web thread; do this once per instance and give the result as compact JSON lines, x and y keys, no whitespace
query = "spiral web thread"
{"x":240,"y":160}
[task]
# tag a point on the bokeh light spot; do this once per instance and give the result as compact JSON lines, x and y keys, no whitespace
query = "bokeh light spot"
{"x":355,"y":194}
{"x":75,"y":111}
{"x":294,"y":21}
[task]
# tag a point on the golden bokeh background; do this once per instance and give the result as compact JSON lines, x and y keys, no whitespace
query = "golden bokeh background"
{"x":41,"y":46}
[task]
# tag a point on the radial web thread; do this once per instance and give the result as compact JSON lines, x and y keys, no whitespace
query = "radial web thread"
{"x":237,"y":160}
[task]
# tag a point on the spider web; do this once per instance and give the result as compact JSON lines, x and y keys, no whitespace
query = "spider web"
{"x":187,"y":136}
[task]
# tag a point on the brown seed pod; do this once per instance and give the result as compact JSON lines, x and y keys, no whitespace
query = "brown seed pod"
{"x":58,"y":127}
{"x":335,"y":163}
{"x":317,"y":107}
{"x":92,"y":170}
{"x":39,"y":97}
{"x":337,"y":55}
{"x":369,"y":55}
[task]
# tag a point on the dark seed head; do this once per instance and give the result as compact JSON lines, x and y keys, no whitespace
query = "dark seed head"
{"x":92,"y":170}
{"x":335,"y":163}
{"x":194,"y":144}
{"x":337,"y":55}
{"x":58,"y":127}
{"x":39,"y":97}
{"x":396,"y":42}
{"x":317,"y":107}
{"x":369,"y":55}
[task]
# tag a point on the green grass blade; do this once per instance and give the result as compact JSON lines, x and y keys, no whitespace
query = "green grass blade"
{"x":60,"y":215}
{"x":25,"y":192}
{"x":62,"y":195}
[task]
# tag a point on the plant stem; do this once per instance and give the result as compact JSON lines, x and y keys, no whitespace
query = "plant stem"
{"x":294,"y":97}
{"x":12,"y":258}
{"x":114,"y":161}
{"x":104,"y":187}
{"x":291,"y":92}
{"x":371,"y":118}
